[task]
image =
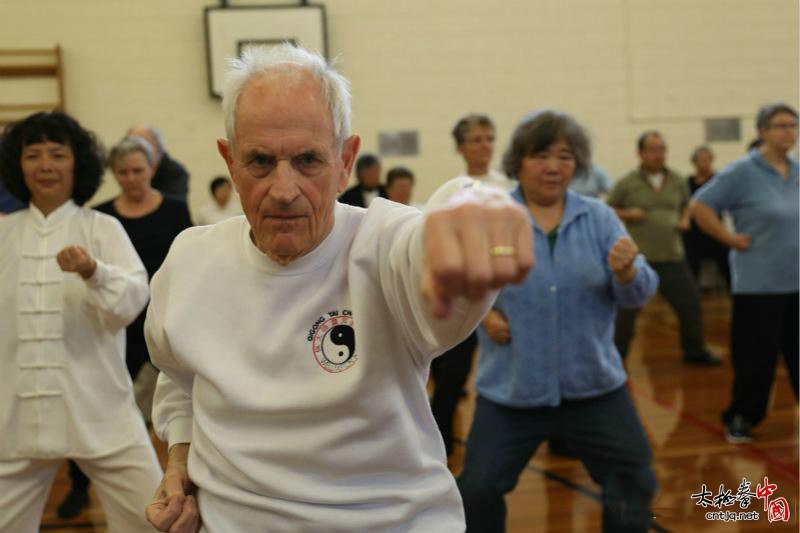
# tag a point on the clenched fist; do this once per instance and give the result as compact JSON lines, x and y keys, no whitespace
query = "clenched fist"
{"x":477,"y":242}
{"x":74,"y":258}
{"x":174,"y":506}
{"x":497,"y":327}
{"x":621,"y":258}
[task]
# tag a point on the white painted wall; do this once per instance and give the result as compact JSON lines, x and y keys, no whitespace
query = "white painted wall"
{"x":620,"y":66}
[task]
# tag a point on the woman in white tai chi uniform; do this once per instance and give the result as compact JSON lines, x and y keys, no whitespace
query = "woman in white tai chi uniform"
{"x":71,"y":283}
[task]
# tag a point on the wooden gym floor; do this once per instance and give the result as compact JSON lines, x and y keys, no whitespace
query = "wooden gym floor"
{"x":679,"y":406}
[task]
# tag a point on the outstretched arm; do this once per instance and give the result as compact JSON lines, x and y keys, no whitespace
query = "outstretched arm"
{"x":440,"y":272}
{"x":478,"y":241}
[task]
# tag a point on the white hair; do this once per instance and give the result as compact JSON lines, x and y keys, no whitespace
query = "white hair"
{"x":259,"y":60}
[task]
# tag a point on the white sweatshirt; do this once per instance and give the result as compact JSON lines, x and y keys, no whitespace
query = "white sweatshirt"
{"x":212,"y":213}
{"x":496,"y":179}
{"x":302,"y":387}
{"x":64,"y":388}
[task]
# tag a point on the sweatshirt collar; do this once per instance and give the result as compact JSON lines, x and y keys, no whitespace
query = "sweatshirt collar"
{"x":315,"y":259}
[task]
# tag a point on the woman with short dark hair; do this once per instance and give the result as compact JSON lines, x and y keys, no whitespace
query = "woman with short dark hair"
{"x":72,"y":283}
{"x":550,"y":367}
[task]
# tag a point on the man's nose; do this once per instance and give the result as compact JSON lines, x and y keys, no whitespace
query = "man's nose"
{"x":284,"y":183}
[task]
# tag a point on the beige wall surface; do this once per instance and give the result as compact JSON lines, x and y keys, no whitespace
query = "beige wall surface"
{"x":620,"y":66}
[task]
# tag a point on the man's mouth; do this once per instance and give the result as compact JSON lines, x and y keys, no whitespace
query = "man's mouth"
{"x":284,"y":216}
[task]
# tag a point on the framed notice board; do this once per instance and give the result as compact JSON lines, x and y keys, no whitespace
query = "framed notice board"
{"x":230,"y":29}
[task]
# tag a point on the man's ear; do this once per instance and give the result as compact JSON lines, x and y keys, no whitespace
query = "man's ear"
{"x":349,"y":153}
{"x":225,"y":150}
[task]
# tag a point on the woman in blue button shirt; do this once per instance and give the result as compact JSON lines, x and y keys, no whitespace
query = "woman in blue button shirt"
{"x":548,"y":365}
{"x":761,"y":192}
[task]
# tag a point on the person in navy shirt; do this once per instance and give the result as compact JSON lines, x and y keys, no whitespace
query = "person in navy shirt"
{"x":761,"y":193}
{"x":548,"y":365}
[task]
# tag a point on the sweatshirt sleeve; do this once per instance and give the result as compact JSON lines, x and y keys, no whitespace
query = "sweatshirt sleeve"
{"x":401,"y":252}
{"x":172,"y":402}
{"x":118,"y":287}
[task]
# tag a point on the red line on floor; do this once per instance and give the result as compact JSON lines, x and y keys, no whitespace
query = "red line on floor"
{"x":788,"y":472}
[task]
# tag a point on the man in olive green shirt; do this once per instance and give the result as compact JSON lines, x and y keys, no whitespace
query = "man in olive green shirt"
{"x":652,"y":201}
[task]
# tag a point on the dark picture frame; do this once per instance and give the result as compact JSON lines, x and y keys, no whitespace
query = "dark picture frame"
{"x":229,"y":29}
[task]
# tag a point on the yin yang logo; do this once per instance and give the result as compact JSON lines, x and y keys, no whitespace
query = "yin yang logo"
{"x":339,"y":344}
{"x":334,"y":342}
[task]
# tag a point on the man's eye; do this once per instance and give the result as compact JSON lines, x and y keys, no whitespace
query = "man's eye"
{"x":308,"y":159}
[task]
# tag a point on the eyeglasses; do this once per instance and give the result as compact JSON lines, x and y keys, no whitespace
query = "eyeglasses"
{"x":784,"y":126}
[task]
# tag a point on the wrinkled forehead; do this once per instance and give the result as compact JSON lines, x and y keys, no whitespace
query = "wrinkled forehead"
{"x":286,"y":97}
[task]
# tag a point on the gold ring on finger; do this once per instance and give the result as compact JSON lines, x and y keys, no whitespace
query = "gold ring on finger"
{"x":501,"y":251}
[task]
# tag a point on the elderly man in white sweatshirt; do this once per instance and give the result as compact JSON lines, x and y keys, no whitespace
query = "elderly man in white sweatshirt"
{"x":295,"y":341}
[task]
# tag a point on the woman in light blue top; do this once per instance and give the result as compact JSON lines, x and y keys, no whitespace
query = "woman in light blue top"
{"x":761,"y":192}
{"x":548,"y":365}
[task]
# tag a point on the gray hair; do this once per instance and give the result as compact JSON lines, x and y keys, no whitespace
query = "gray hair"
{"x":466,"y":123}
{"x":260,"y":60}
{"x":538,"y":130}
{"x":127,"y":146}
